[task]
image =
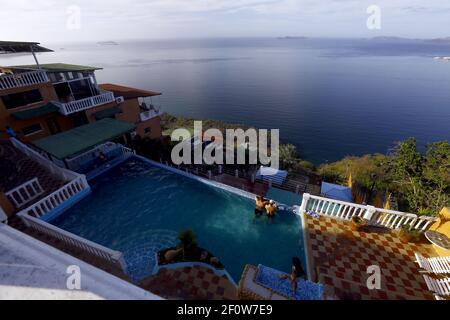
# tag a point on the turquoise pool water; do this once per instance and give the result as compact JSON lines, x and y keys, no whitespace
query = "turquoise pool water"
{"x":138,"y":208}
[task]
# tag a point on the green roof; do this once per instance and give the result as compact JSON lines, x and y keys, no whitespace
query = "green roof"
{"x":80,"y":139}
{"x":107,"y":113}
{"x":57,"y":67}
{"x":35,"y":112}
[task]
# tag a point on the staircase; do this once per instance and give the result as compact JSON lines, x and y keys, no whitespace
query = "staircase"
{"x":26,"y":170}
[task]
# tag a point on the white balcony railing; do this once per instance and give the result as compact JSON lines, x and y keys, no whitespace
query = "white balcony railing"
{"x":113,"y":256}
{"x":376,"y":216}
{"x":87,"y":103}
{"x":23,"y":79}
{"x":76,"y":184}
{"x":147,"y":115}
{"x":62,"y":173}
{"x":24,"y":193}
{"x":78,"y":161}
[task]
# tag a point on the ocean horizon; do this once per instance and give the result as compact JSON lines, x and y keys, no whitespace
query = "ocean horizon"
{"x":329,"y":97}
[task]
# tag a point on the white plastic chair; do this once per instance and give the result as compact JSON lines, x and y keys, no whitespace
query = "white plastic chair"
{"x":436,"y":265}
{"x":438,"y":286}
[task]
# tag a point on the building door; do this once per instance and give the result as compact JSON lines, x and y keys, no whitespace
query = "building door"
{"x":53,"y":125}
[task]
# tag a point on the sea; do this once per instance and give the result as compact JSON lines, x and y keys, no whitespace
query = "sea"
{"x":331,"y":98}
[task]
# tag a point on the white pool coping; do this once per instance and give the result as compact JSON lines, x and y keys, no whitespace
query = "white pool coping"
{"x":31,"y":270}
{"x":240,"y":192}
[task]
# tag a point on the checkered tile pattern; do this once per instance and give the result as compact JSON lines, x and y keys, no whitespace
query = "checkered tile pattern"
{"x":193,"y":283}
{"x":339,"y":257}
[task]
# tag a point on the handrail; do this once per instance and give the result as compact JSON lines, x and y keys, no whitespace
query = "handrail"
{"x":25,"y":192}
{"x":56,"y":198}
{"x":23,"y":79}
{"x":65,"y":174}
{"x":376,"y":216}
{"x":149,"y":114}
{"x":86,"y":103}
{"x":77,"y":241}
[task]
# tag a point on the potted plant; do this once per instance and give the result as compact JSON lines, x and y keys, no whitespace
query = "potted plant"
{"x":358,"y":223}
{"x":408,"y":234}
{"x":188,"y":241}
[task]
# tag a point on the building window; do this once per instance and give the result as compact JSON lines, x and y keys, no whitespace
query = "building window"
{"x":32,"y":129}
{"x":16,"y":100}
{"x":148,"y":130}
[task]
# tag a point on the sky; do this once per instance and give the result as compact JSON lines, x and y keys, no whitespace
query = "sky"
{"x":101,"y":20}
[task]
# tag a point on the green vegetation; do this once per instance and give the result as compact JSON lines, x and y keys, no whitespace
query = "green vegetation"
{"x":420,"y":181}
{"x":188,"y":240}
{"x":289,"y":158}
{"x":171,"y":123}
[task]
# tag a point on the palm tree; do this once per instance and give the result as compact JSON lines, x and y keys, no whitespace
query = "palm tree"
{"x":188,"y":240}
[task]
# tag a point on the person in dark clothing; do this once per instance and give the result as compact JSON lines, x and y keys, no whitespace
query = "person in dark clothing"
{"x":296,"y":273}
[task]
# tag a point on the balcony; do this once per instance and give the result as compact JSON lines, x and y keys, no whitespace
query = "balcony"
{"x":149,"y":114}
{"x":83,"y":104}
{"x":22,"y":79}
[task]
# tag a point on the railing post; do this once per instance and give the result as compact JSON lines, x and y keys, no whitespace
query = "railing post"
{"x":236,"y":173}
{"x":306,"y":197}
{"x":370,"y":211}
{"x":220,"y":169}
{"x":209,"y":174}
{"x":121,"y":261}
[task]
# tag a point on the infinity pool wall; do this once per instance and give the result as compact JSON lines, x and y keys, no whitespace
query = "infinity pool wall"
{"x":139,"y":208}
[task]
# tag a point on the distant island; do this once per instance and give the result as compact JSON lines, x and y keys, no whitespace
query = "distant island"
{"x":444,"y":40}
{"x":292,"y":38}
{"x":440,"y":40}
{"x":107,"y":43}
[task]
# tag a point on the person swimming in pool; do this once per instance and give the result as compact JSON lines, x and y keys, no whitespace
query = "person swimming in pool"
{"x":271,"y":209}
{"x":260,"y":203}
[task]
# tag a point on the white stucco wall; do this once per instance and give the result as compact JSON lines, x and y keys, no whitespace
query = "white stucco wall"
{"x":30,"y":269}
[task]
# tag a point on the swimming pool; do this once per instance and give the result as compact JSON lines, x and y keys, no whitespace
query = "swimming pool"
{"x":138,"y":208}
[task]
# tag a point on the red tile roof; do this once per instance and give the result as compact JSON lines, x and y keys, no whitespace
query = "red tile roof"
{"x":128,"y":92}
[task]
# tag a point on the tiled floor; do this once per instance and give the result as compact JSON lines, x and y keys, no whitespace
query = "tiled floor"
{"x":193,"y":283}
{"x":339,"y":258}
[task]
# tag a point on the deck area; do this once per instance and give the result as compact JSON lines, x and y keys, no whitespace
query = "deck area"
{"x":339,"y":258}
{"x":190,"y":283}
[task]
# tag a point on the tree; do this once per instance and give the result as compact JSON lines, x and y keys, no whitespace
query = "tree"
{"x":436,"y":175}
{"x":407,"y":169}
{"x":188,"y":240}
{"x":423,"y":180}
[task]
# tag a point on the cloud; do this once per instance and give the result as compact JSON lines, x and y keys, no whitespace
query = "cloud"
{"x":114,"y":19}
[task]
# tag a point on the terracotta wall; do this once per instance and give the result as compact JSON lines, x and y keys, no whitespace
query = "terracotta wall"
{"x":130,"y":113}
{"x":154,"y":125}
{"x":48,"y":94}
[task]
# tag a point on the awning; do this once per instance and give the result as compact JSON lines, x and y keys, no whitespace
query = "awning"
{"x":271,"y":174}
{"x":20,"y":46}
{"x":55,"y":67}
{"x":107,"y":113}
{"x":35,"y":112}
{"x":80,"y":139}
{"x":336,"y":192}
{"x":128,"y":92}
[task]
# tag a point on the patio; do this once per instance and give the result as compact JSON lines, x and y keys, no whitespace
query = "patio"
{"x":339,"y":258}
